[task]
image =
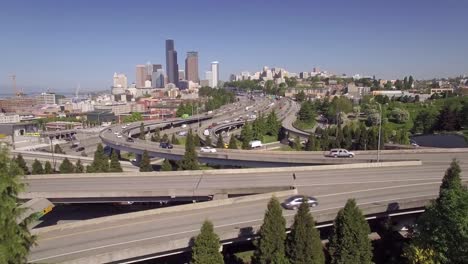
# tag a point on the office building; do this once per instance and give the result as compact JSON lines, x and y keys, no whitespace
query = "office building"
{"x":209,"y":78}
{"x":46,"y":98}
{"x":172,"y":68}
{"x":158,"y":79}
{"x":214,"y":74}
{"x":141,"y":72}
{"x":181,"y":75}
{"x":191,"y":67}
{"x":4,"y":118}
{"x":120,"y":80}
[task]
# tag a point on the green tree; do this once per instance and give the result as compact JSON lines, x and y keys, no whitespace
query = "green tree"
{"x":349,"y":242}
{"x":300,"y":96}
{"x":417,"y":255}
{"x":273,"y":124}
{"x":174,"y":140}
{"x":443,"y":227}
{"x":79,"y":168}
{"x":208,"y":141}
{"x":166,"y":166}
{"x":156,"y":137}
{"x":142,"y":131}
{"x":220,"y":142}
{"x":246,"y":136}
{"x":58,"y":149}
{"x":37,"y":167}
{"x":270,"y":246}
{"x":165,"y":138}
{"x":190,"y":158}
{"x":22,"y":163}
{"x":100,"y":162}
{"x":66,"y":166}
{"x":133,"y":117}
{"x":232,"y":143}
{"x":114,"y":165}
{"x":297,"y":145}
{"x":48,"y":168}
{"x":206,"y":246}
{"x":303,"y":243}
{"x":15,"y":238}
{"x":145,"y":163}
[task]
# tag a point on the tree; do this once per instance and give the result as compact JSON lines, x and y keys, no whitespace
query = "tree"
{"x":66,"y":166}
{"x":79,"y":168}
{"x":349,"y":242}
{"x":273,"y":124}
{"x":297,"y":145}
{"x":310,"y":144}
{"x":300,"y":96}
{"x":100,"y":162}
{"x":145,"y":163}
{"x":48,"y":168}
{"x":208,"y":140}
{"x":166,"y":166}
{"x":15,"y":238}
{"x":165,"y":138}
{"x":399,"y":115}
{"x":37,"y":167}
{"x":220,"y":142}
{"x":156,"y":137}
{"x":58,"y":149}
{"x":270,"y":246}
{"x":136,"y":116}
{"x":417,"y":255}
{"x":174,"y":140}
{"x":190,"y":158}
{"x":443,"y":227}
{"x":303,"y":244}
{"x":206,"y":246}
{"x":142,"y":131}
{"x":425,"y":122}
{"x":21,"y":163}
{"x":232,"y":143}
{"x":114,"y":165}
{"x":246,"y":136}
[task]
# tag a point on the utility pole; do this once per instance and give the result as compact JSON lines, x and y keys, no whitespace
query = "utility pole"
{"x":13,"y":80}
{"x":380,"y":133}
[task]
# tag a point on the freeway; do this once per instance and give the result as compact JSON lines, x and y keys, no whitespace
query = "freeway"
{"x":115,"y":239}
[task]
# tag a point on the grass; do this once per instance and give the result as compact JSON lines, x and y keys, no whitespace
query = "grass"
{"x":245,"y":256}
{"x":269,"y":139}
{"x":284,"y":148}
{"x":127,"y":155}
{"x":206,"y":167}
{"x":303,"y":126}
{"x":182,"y":140}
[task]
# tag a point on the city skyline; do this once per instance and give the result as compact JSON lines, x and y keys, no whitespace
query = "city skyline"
{"x":388,"y":40}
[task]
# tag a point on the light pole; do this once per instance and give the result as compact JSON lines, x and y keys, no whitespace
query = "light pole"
{"x":380,"y":132}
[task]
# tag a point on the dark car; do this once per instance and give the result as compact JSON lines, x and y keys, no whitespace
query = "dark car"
{"x":294,"y":202}
{"x":130,"y":139}
{"x":80,"y":149}
{"x":166,"y":145}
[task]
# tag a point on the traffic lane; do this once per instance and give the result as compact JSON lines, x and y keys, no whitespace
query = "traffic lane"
{"x":120,"y":235}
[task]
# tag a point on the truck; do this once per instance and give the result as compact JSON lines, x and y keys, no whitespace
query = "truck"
{"x":255,"y":144}
{"x":206,"y":132}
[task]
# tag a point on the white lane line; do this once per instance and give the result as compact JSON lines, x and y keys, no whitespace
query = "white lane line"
{"x":371,"y":181}
{"x":218,"y":226}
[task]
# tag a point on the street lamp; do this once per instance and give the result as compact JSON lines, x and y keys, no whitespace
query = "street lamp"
{"x":380,"y":132}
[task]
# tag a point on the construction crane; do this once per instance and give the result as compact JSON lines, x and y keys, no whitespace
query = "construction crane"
{"x":15,"y":90}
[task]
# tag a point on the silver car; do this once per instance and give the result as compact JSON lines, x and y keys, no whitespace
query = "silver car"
{"x":293,"y":202}
{"x":340,"y":153}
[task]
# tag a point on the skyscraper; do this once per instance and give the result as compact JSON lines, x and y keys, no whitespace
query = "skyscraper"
{"x":191,"y":67}
{"x":141,"y":74}
{"x":172,"y":68}
{"x":214,"y":74}
{"x":158,"y":79}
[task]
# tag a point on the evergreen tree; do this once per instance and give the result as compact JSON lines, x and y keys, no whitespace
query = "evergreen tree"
{"x":246,"y":136}
{"x":232,"y":143}
{"x":142,"y":131}
{"x":79,"y":168}
{"x":21,"y":163}
{"x":349,"y":242}
{"x":174,"y":140}
{"x":15,"y":238}
{"x":206,"y":246}
{"x":273,"y":124}
{"x":297,"y":145}
{"x":115,"y":163}
{"x":208,"y":141}
{"x":58,"y":149}
{"x":145,"y":163}
{"x":443,"y":227}
{"x":165,"y":138}
{"x":37,"y":167}
{"x":190,"y":159}
{"x":66,"y":166}
{"x":48,"y":168}
{"x":156,"y":135}
{"x":303,"y":244}
{"x":101,"y":160}
{"x":270,"y":246}
{"x":166,"y":166}
{"x":220,"y":142}
{"x":310,"y":144}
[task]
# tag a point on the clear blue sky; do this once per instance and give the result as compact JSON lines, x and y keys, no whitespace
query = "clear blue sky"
{"x":57,"y":44}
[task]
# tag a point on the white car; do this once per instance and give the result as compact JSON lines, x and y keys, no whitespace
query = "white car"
{"x":119,"y":136}
{"x":208,"y":150}
{"x":340,"y":153}
{"x":184,"y":125}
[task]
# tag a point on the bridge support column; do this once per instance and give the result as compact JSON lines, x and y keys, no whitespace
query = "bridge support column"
{"x":138,"y":158}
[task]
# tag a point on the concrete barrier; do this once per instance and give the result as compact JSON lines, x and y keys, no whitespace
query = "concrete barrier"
{"x":173,"y":209}
{"x":225,"y":172}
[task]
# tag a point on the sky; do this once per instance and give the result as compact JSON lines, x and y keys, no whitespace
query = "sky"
{"x":58,"y":44}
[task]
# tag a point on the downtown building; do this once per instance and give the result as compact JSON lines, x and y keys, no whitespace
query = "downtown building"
{"x":191,"y":67}
{"x":172,"y":68}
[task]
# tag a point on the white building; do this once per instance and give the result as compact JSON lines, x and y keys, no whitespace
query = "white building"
{"x":215,"y":74}
{"x":120,"y":81}
{"x":209,"y":78}
{"x":46,"y":98}
{"x":9,"y":118}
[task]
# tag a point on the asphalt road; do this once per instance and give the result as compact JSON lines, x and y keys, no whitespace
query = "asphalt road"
{"x":332,"y":188}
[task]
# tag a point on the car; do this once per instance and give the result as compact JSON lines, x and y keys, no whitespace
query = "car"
{"x":293,"y":202}
{"x":166,"y":145}
{"x":182,"y":133}
{"x":340,"y":153}
{"x":129,"y":139}
{"x":184,"y":125}
{"x":116,"y":133}
{"x":208,"y":150}
{"x":119,"y":136}
{"x":124,"y":127}
{"x":80,"y":149}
